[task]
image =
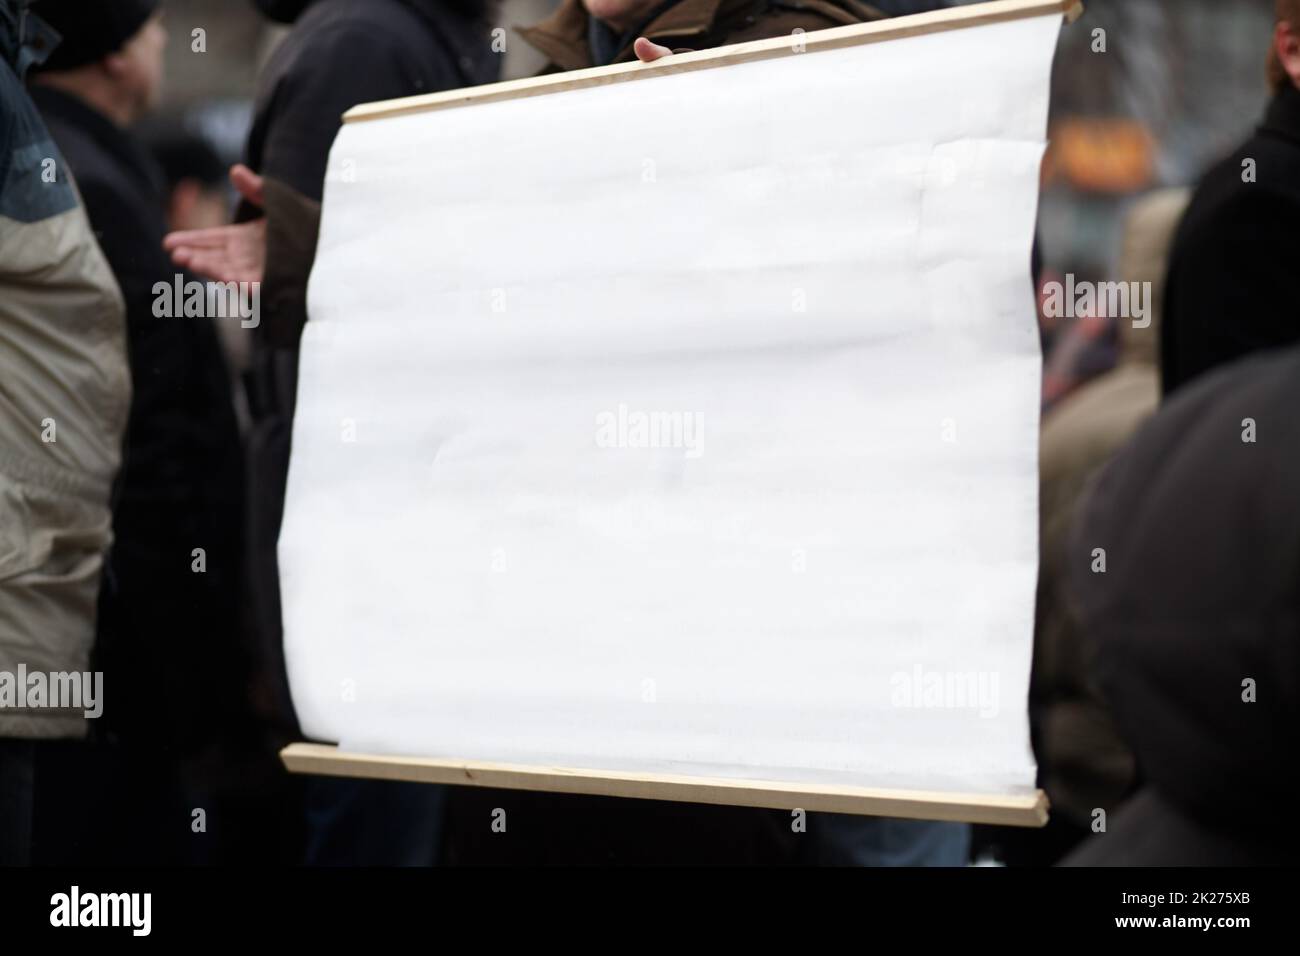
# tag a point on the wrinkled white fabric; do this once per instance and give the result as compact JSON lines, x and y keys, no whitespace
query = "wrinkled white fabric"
{"x":684,"y":424}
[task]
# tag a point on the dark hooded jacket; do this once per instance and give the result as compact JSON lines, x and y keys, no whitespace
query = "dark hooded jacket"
{"x":1232,"y":278}
{"x":1193,"y":628}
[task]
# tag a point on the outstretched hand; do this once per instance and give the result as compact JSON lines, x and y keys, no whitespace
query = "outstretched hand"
{"x":234,"y":253}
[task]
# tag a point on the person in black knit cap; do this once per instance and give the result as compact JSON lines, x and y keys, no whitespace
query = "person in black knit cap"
{"x":167,"y":637}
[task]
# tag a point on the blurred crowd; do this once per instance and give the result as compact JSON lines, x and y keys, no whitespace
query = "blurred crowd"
{"x":143,"y":459}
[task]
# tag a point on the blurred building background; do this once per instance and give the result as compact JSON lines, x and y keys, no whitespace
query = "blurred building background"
{"x":1178,"y":85}
{"x":1145,"y":94}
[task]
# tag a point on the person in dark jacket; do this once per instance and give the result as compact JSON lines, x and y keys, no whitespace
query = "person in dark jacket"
{"x":1192,"y":623}
{"x":338,"y":53}
{"x":168,"y":640}
{"x":1231,"y":283}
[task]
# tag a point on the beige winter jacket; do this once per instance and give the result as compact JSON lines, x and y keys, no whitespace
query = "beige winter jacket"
{"x":64,"y":392}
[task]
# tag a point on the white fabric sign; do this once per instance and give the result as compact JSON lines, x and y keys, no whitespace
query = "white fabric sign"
{"x":686,"y":424}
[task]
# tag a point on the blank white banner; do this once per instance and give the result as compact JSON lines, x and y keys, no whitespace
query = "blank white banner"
{"x":686,"y":424}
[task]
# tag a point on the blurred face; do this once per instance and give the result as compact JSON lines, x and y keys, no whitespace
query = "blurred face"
{"x":137,"y":68}
{"x":620,"y":14}
{"x":1286,"y":54}
{"x":193,"y":205}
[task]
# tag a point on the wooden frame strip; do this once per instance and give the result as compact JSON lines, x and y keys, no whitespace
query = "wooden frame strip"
{"x":1026,"y":811}
{"x":937,"y":21}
